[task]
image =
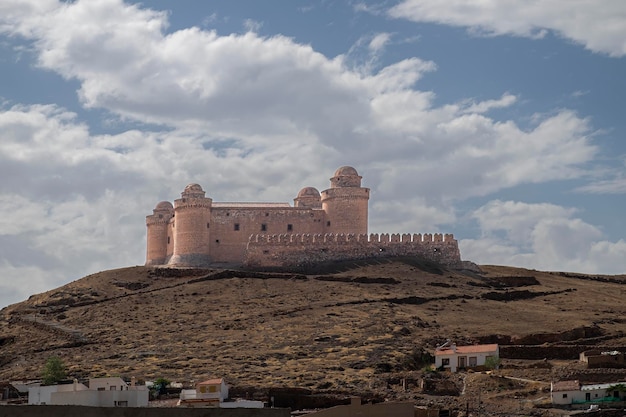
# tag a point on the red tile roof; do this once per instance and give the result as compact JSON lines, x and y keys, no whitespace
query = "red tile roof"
{"x":448,"y":350}
{"x":566,"y":386}
{"x":211,"y":381}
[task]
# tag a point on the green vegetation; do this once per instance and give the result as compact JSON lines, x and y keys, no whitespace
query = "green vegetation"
{"x":492,"y":362}
{"x":54,"y":371}
{"x":160,"y":387}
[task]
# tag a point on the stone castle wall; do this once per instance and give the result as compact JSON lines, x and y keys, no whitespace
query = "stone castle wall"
{"x":284,"y":250}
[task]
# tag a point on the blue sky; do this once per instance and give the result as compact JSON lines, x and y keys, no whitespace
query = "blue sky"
{"x":499,"y":121}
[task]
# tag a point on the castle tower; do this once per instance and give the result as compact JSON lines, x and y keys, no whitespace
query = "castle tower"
{"x":346,"y":203}
{"x":308,"y":197}
{"x":156,"y":223}
{"x":192,"y":215}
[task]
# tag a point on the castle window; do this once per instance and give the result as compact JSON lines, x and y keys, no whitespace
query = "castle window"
{"x":160,"y":216}
{"x":289,"y":227}
{"x":228,"y":214}
{"x":263,"y":227}
{"x":168,"y":240}
{"x":265,"y":251}
{"x":207,"y":225}
{"x":217,"y":241}
{"x":328,"y":223}
{"x":267,"y":214}
{"x":236,"y":226}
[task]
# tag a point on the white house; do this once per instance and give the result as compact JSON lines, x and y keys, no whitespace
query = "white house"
{"x":213,"y":393}
{"x":572,"y":392}
{"x":453,"y":357}
{"x":102,"y":392}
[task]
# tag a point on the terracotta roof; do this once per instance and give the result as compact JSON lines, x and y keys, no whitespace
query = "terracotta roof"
{"x":212,"y":381}
{"x":448,"y":350}
{"x":566,"y":386}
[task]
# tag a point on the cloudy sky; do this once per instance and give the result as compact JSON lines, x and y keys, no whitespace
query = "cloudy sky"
{"x":501,"y":121}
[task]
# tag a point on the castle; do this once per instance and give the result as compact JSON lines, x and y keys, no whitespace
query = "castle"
{"x":319,"y":227}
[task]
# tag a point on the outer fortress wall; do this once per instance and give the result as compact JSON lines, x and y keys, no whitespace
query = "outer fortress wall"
{"x":287,"y":250}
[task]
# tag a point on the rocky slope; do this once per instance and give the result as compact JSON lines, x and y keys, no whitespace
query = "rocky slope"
{"x":353,"y":328}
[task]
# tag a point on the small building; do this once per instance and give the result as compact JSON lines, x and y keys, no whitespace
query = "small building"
{"x":355,"y":408}
{"x":452,"y":357}
{"x":9,"y":393}
{"x":603,"y":359}
{"x":572,"y":392}
{"x":213,"y":393}
{"x":102,"y":392}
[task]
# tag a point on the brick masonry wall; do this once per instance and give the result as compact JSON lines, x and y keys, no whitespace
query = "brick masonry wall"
{"x":191,"y":232}
{"x":304,"y":250}
{"x":231,"y":228}
{"x":346,"y":209}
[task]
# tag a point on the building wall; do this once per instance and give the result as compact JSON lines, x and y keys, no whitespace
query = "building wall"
{"x":78,"y":411}
{"x":346,"y":209}
{"x":191,"y":226}
{"x":368,"y":410}
{"x":43,"y":394}
{"x":130,"y":398}
{"x":229,"y":244}
{"x":567,"y":397}
{"x":481,"y":357}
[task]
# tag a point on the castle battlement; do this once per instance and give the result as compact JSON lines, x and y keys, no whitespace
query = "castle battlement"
{"x":319,"y":227}
{"x":342,"y":238}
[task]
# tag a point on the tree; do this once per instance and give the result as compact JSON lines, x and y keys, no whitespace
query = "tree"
{"x":621,"y":387}
{"x":492,"y":362}
{"x":160,"y":387}
{"x":54,"y":371}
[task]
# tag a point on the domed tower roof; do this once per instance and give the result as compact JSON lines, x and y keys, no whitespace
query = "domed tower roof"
{"x":309,"y":192}
{"x":345,"y":177}
{"x":193,"y":191}
{"x":308,"y":197}
{"x":164,"y":206}
{"x":345,"y":171}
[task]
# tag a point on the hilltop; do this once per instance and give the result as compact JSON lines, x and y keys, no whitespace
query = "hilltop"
{"x":353,"y":328}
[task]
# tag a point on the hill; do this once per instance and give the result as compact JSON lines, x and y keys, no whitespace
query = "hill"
{"x":353,"y":328}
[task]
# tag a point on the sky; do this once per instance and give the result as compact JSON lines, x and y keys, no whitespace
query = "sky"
{"x":501,"y":121}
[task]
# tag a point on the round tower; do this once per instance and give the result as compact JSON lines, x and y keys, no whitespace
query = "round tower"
{"x":308,"y":197}
{"x":346,"y":203}
{"x":192,"y":216}
{"x":156,"y":240}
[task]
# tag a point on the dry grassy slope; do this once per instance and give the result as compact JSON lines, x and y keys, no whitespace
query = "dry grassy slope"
{"x":290,"y":330}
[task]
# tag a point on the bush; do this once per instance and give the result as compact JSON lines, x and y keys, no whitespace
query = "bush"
{"x":492,"y":362}
{"x":54,"y":371}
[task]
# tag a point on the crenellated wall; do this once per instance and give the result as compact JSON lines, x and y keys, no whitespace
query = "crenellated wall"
{"x":295,"y":250}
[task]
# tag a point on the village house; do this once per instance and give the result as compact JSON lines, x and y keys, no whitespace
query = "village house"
{"x":572,"y":392}
{"x":452,"y":357}
{"x":213,"y":393}
{"x":603,"y":359}
{"x":101,"y":392}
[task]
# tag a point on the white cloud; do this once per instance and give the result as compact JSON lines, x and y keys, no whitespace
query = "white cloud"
{"x":379,"y":42}
{"x":542,"y":236}
{"x":249,"y":118}
{"x":613,"y":186}
{"x":252,"y":25}
{"x":599,"y":26}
